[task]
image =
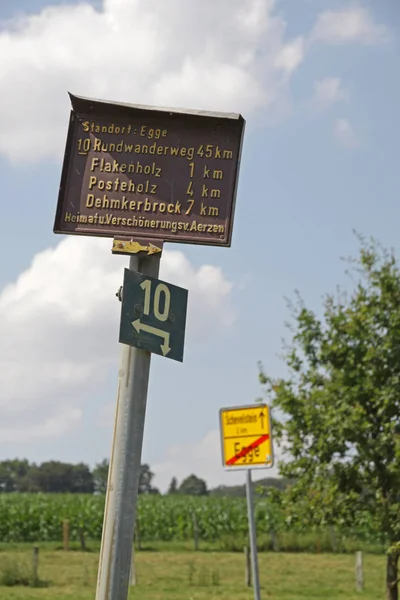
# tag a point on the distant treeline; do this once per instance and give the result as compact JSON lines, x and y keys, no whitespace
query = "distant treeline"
{"x":60,"y":477}
{"x":239,"y":491}
{"x":55,"y":476}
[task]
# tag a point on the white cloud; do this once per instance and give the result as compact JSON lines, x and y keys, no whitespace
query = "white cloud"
{"x":290,"y":56}
{"x":59,"y":325}
{"x":351,"y":24}
{"x":203,"y":458}
{"x":50,"y":427}
{"x":344,"y":133}
{"x":328,"y":91}
{"x":225,"y":55}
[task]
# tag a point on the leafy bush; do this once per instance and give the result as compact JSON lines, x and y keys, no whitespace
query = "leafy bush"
{"x":14,"y":571}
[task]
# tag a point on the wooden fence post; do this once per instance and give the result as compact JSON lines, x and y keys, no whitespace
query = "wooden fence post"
{"x":359,"y":572}
{"x":136,"y":534}
{"x":66,"y":535}
{"x":132,"y":575}
{"x":333,"y":539}
{"x":195,"y":532}
{"x":247,"y":572}
{"x":274,"y":541}
{"x":82,"y":538}
{"x":35,"y":565}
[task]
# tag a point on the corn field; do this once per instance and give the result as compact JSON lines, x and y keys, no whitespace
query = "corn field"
{"x":39,"y":518}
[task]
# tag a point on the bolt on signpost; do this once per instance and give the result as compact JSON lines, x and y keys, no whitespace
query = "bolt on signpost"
{"x":246,"y":443}
{"x":144,"y":176}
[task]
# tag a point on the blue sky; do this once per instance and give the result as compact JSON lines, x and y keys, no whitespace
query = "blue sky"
{"x":320,"y":93}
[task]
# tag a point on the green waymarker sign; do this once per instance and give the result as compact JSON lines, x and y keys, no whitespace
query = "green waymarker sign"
{"x":153,"y":315}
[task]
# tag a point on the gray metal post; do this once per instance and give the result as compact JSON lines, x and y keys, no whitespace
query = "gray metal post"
{"x":253,"y":536}
{"x":123,"y":476}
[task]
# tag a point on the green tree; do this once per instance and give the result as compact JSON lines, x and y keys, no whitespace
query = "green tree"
{"x":338,"y":411}
{"x":145,"y":479}
{"x":82,"y":479}
{"x":173,"y":486}
{"x":55,"y":476}
{"x":193,"y":486}
{"x":52,"y":476}
{"x":100,"y":476}
{"x":260,"y":487}
{"x":12,"y":473}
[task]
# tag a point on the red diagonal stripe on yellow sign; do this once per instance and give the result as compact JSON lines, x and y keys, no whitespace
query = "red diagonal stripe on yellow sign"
{"x":248,"y":449}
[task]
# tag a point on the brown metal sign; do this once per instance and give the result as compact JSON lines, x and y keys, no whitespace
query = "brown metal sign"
{"x":156,"y":173}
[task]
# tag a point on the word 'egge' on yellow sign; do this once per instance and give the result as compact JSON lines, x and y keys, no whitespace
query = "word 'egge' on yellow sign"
{"x":246,"y":436}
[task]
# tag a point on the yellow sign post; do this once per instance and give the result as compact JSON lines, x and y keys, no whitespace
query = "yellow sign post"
{"x":246,"y":442}
{"x":246,"y":437}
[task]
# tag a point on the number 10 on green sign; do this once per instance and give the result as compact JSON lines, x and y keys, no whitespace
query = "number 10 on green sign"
{"x":161,"y":288}
{"x":153,"y":315}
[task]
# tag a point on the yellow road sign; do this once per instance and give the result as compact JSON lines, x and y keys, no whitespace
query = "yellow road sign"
{"x":121,"y":246}
{"x":246,"y":436}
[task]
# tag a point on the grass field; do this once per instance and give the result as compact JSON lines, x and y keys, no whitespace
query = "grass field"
{"x":188,"y":575}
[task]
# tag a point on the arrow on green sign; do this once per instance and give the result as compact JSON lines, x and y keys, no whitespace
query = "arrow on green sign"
{"x":139,"y":326}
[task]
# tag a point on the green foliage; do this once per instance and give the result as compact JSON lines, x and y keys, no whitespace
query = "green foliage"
{"x":52,"y":476}
{"x":12,"y":573}
{"x":58,"y":477}
{"x":145,"y":478}
{"x":261,"y":487}
{"x":100,"y":476}
{"x":12,"y":472}
{"x":173,"y":486}
{"x":16,"y":571}
{"x":220,"y":521}
{"x":193,"y":486}
{"x":338,"y":411}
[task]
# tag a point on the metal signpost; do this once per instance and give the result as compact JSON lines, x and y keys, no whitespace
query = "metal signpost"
{"x":246,"y":443}
{"x":144,"y":176}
